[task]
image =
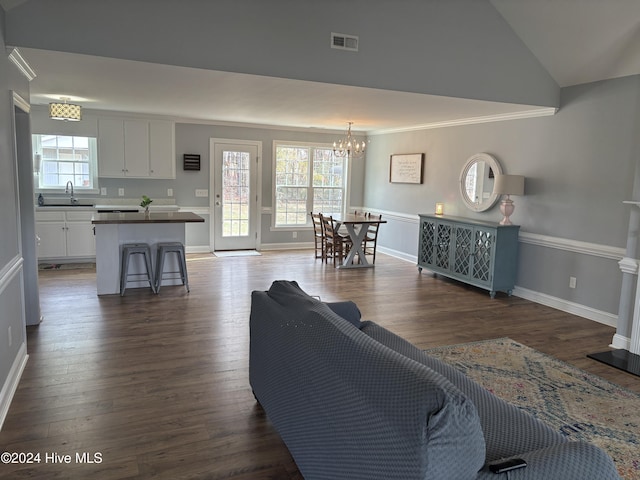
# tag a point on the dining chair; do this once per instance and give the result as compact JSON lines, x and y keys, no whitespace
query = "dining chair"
{"x":370,"y":241}
{"x":318,"y":235}
{"x":336,"y":245}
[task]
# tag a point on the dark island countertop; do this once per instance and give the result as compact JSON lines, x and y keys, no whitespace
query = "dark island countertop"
{"x":153,"y":217}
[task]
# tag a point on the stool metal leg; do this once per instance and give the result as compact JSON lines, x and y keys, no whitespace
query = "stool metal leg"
{"x":183,"y":269}
{"x":159,"y":268}
{"x":147,"y":261}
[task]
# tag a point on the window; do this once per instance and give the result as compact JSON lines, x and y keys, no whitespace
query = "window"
{"x":64,"y":159}
{"x":307,"y":178}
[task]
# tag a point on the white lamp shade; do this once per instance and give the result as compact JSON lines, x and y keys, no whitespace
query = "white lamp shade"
{"x":509,"y":185}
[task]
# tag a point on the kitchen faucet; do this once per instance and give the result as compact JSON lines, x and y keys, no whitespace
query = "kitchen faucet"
{"x":66,"y":190}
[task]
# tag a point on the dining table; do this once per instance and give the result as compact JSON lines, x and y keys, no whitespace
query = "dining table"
{"x":357,"y":225}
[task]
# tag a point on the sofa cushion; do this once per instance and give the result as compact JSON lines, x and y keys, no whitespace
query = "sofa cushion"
{"x":289,"y":295}
{"x":508,"y":430}
{"x":347,"y":310}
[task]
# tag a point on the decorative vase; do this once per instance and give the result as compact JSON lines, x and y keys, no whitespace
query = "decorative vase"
{"x":147,"y":214}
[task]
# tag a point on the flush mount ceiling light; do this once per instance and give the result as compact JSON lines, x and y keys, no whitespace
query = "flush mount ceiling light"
{"x":348,"y":146}
{"x":65,"y":111}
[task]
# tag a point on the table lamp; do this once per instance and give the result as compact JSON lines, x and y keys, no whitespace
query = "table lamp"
{"x":508,"y":185}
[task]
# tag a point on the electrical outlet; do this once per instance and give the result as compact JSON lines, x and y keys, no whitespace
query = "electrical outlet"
{"x":169,"y":192}
{"x":202,"y":192}
{"x":103,"y":191}
{"x":572,"y":282}
{"x":9,"y":336}
{"x":121,"y":192}
{"x":295,"y":234}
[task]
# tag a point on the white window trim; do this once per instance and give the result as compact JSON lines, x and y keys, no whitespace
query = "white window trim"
{"x":308,"y":225}
{"x":93,"y":147}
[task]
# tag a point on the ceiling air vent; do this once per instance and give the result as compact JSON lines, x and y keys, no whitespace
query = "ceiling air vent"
{"x":344,"y":42}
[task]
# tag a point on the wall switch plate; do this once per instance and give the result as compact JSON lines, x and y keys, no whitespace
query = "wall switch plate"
{"x":169,"y":192}
{"x":202,"y":192}
{"x":572,"y":282}
{"x":103,"y":191}
{"x":121,"y":192}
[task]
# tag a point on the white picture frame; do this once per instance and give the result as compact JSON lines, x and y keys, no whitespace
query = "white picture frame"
{"x":406,"y":168}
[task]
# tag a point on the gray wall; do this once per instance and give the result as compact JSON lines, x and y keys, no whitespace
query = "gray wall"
{"x":456,"y":47}
{"x":579,"y":167}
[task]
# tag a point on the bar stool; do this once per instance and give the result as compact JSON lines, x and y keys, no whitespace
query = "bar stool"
{"x":178,"y":249}
{"x":129,"y":249}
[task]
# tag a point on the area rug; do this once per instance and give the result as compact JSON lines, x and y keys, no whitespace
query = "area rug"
{"x":236,"y":253}
{"x":579,"y":405}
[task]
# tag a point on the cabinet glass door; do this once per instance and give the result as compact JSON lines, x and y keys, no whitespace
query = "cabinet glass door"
{"x":428,"y":241}
{"x":443,"y":245}
{"x":484,"y":243}
{"x":462,"y":251}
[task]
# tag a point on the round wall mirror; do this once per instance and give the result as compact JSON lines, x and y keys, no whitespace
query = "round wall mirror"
{"x":476,"y":182}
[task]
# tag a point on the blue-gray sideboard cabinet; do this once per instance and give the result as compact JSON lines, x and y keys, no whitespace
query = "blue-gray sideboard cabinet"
{"x":483,"y":254}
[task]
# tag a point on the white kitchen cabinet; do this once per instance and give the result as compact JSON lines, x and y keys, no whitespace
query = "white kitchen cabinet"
{"x":111,"y":148}
{"x":162,"y":158}
{"x":65,"y":234}
{"x":136,"y":148}
{"x":132,"y":148}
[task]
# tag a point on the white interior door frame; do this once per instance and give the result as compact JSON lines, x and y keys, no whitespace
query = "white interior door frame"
{"x":257,"y":214}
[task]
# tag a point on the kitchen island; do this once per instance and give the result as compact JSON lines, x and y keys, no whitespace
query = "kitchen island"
{"x":114,"y":229}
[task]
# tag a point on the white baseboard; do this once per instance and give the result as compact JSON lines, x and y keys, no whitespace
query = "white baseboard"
{"x":287,"y":246}
{"x":567,"y":306}
{"x":621,"y":342}
{"x":398,"y":254}
{"x":11,"y":384}
{"x":197,"y":249}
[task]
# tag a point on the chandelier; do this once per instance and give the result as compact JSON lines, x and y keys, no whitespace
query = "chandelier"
{"x":348,"y":146}
{"x":65,"y":111}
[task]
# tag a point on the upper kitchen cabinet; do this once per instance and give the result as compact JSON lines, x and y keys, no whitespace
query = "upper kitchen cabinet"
{"x":162,"y":141}
{"x":134,"y":148}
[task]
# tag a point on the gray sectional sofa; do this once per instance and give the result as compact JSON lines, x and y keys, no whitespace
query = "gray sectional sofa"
{"x":351,"y":400}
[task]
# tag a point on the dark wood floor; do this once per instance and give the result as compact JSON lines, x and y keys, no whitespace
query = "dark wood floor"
{"x":158,"y":385}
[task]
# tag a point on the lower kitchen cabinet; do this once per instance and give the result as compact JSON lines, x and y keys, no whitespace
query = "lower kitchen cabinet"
{"x":65,"y":234}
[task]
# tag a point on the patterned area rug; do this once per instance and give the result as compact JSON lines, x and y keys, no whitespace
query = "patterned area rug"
{"x":579,"y":405}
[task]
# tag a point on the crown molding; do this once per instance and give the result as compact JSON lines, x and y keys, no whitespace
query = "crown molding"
{"x":19,"y":61}
{"x":540,"y":112}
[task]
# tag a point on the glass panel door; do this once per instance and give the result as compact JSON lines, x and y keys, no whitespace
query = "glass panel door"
{"x":235,"y":202}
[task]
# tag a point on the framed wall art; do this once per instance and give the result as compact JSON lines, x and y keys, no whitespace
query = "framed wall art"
{"x":406,"y":168}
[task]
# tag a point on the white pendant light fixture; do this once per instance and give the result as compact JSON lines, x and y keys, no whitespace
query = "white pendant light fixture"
{"x":65,"y":111}
{"x":348,"y":146}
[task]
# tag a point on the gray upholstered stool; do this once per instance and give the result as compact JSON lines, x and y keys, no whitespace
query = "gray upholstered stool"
{"x":178,"y":249}
{"x":129,"y":249}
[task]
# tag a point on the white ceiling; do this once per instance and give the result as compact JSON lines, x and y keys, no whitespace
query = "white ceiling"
{"x":190,"y":93}
{"x":577,"y":41}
